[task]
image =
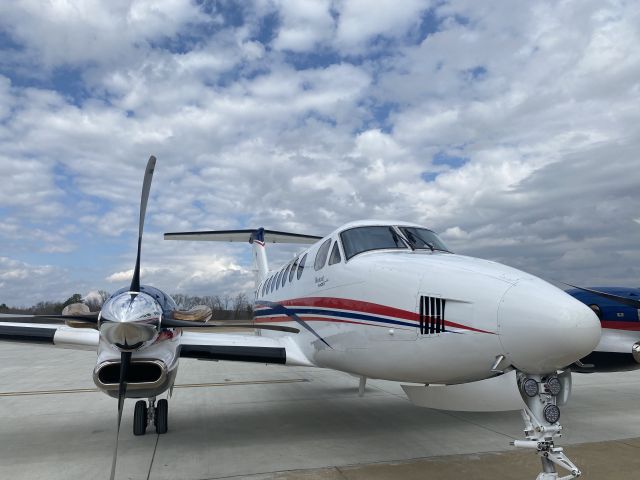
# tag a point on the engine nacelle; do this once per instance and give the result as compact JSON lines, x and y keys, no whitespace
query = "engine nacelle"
{"x":146,"y":377}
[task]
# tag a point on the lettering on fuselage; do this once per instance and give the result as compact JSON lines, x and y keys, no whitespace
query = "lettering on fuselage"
{"x":321,"y":281}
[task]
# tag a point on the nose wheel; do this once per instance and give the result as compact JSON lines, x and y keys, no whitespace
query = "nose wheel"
{"x":541,"y":415}
{"x":156,"y":414}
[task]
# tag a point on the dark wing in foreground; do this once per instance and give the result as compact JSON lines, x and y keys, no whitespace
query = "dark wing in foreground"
{"x":241,"y":348}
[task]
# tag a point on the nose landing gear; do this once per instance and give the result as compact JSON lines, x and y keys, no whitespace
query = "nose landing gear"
{"x":154,"y":414}
{"x":541,"y":415}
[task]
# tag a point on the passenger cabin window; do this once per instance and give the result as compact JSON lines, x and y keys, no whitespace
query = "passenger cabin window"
{"x":286,"y":274}
{"x":363,"y":239}
{"x":321,"y":256}
{"x":335,"y":254}
{"x":301,"y":266}
{"x":293,"y":269}
{"x":421,"y":238}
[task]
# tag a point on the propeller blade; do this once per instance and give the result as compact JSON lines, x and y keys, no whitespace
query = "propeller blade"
{"x":125,"y":360}
{"x":91,"y":318}
{"x":616,"y":298}
{"x":173,"y":323}
{"x":277,"y":328}
{"x":146,"y":187}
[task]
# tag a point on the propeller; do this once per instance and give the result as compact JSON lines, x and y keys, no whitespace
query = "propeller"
{"x":91,"y":318}
{"x":125,"y":360}
{"x":146,"y":187}
{"x":617,"y":298}
{"x":173,"y":323}
{"x":120,"y":332}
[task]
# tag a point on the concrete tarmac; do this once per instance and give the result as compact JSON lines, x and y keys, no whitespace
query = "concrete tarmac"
{"x":238,"y":420}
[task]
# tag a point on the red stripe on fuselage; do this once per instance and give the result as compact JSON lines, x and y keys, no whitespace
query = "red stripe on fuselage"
{"x":366,"y":307}
{"x":627,"y":326}
{"x":349,"y":304}
{"x":314,"y":319}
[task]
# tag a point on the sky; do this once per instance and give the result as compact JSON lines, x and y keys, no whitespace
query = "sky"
{"x":512,"y":128}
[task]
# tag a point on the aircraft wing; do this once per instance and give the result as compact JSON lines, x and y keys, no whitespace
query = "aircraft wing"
{"x":205,"y":346}
{"x":51,"y":335}
{"x":242,"y":348}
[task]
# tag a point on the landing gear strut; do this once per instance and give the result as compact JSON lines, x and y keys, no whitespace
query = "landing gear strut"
{"x":542,"y":394}
{"x":153,"y":414}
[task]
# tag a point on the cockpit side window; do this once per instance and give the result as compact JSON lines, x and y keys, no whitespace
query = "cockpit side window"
{"x":335,"y":255}
{"x":301,"y":266}
{"x":363,"y":239}
{"x":273,"y":284}
{"x":321,"y":256}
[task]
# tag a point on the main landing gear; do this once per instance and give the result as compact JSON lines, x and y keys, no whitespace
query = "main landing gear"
{"x":154,"y":414}
{"x":542,"y":394}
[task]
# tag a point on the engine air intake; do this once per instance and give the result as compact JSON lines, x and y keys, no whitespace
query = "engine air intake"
{"x":141,"y":374}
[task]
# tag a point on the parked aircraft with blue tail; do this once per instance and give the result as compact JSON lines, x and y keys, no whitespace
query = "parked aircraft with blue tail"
{"x":618,"y":309}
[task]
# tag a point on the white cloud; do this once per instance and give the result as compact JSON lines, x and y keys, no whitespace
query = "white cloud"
{"x":69,"y":33}
{"x":24,"y":284}
{"x":540,"y":99}
{"x":360,"y":20}
{"x":305,"y":24}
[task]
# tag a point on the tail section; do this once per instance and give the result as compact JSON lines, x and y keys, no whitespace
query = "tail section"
{"x":259,"y":254}
{"x":258,"y":238}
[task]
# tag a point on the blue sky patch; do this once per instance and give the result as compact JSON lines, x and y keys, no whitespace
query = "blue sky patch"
{"x":453,"y":161}
{"x":429,"y":176}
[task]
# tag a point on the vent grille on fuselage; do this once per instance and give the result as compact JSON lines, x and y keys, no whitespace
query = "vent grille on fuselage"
{"x":431,"y":315}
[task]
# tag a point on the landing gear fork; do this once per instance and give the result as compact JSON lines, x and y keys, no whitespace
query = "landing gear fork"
{"x":541,"y":418}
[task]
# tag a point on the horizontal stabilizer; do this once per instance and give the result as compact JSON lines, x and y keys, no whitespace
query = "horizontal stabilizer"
{"x":497,"y":394}
{"x":270,"y":236}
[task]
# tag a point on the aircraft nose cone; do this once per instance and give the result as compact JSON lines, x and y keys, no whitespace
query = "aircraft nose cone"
{"x":543,"y":329}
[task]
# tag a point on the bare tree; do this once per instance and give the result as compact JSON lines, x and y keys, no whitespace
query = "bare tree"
{"x":95,"y":300}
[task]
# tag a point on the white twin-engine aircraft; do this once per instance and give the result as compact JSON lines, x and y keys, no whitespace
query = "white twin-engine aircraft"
{"x":384,"y":300}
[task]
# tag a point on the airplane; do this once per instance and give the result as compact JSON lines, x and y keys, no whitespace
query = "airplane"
{"x":376,"y":299}
{"x":618,"y":309}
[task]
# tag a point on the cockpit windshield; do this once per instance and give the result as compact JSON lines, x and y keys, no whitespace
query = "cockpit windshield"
{"x":362,"y":239}
{"x":423,"y":238}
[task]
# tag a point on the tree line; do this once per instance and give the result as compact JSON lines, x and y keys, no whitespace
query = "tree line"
{"x":224,"y":307}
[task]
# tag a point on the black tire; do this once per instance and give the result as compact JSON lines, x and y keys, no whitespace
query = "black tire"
{"x":162,"y":414}
{"x":140,"y":418}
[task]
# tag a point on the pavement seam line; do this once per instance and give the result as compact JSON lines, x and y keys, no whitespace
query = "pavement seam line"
{"x":342,"y":475}
{"x":153,"y":457}
{"x":183,"y":385}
